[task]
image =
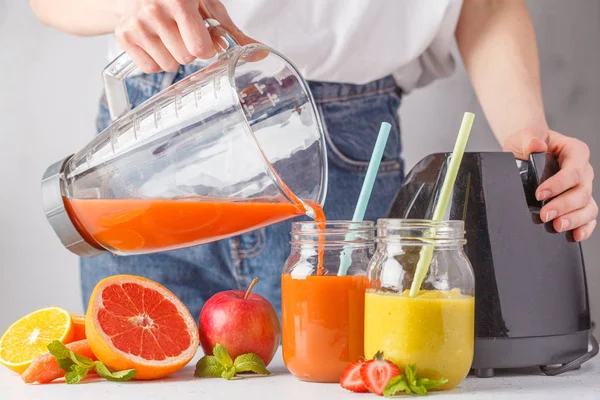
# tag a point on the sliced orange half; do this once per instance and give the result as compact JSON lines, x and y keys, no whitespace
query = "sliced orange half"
{"x":29,"y":336}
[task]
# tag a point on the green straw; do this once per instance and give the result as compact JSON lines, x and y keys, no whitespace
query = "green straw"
{"x":365,"y":192}
{"x":439,"y":211}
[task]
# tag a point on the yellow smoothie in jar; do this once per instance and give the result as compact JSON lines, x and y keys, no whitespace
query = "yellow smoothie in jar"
{"x":434,"y":330}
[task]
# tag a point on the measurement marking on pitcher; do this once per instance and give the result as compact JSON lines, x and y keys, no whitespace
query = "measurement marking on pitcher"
{"x":273,"y":98}
{"x":113,"y":139}
{"x":136,"y":126}
{"x":259,"y":88}
{"x":156,"y":116}
{"x":198,"y":94}
{"x":249,"y":109}
{"x":216,"y":85}
{"x":178,"y":105}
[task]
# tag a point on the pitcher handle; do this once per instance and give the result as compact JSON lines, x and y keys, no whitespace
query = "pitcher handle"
{"x":115,"y":73}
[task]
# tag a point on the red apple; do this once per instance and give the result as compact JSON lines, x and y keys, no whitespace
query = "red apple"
{"x":242,"y":322}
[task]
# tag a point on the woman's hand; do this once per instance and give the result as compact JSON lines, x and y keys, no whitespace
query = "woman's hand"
{"x":573,"y":208}
{"x":159,"y":35}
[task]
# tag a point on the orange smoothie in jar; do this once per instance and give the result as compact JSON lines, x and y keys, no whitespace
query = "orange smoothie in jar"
{"x":322,"y":324}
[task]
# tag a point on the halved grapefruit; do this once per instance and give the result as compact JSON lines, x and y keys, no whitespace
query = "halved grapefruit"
{"x":133,"y":322}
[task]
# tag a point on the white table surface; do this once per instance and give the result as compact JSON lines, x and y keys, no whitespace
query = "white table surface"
{"x":526,"y":385}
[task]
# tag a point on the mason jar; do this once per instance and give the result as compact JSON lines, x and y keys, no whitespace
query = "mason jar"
{"x":322,"y":305}
{"x":434,"y":329}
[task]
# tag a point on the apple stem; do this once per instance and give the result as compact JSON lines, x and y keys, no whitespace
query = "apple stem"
{"x":254,"y":282}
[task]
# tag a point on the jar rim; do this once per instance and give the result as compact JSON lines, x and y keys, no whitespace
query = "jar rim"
{"x":408,"y":223}
{"x":445,"y":232}
{"x":334,"y":233}
{"x":336,"y":226}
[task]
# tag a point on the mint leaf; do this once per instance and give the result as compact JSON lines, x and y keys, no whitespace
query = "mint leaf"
{"x":411,"y":374}
{"x":61,"y":354}
{"x":220,"y":364}
{"x":208,"y":366}
{"x":72,"y":377}
{"x":420,"y":390}
{"x":81,"y":360}
{"x":119,"y":376}
{"x":396,"y":385}
{"x":222,"y":356}
{"x":65,"y":363}
{"x":250,"y":362}
{"x":66,"y":359}
{"x":76,"y":374}
{"x":58,"y":350}
{"x":429,"y":384}
{"x":228,"y":373}
{"x":77,"y":366}
{"x":409,"y":383}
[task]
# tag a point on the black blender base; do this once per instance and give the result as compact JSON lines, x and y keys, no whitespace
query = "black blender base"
{"x":510,"y":353}
{"x":490,"y":372}
{"x":484,"y":372}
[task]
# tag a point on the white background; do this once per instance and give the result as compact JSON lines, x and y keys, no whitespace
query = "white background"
{"x":49,"y":88}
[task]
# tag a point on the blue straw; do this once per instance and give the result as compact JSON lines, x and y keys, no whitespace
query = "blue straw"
{"x":365,"y":192}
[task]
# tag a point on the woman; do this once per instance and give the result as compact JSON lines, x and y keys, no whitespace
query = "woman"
{"x":360,"y":57}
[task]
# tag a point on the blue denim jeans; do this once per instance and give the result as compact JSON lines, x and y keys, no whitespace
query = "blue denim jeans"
{"x":351,"y":115}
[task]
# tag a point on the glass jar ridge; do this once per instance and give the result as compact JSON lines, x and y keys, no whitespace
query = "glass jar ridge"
{"x":421,"y":232}
{"x":333,"y":234}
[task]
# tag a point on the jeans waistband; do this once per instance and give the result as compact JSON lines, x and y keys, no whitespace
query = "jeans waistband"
{"x":329,"y":91}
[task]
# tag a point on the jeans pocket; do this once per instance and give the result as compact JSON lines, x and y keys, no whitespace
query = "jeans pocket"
{"x":351,"y":128}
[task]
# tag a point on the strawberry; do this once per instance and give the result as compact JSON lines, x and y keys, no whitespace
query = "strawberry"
{"x":351,"y":379}
{"x":376,"y":373}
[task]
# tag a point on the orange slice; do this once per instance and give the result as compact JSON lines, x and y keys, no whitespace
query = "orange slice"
{"x":78,"y":327}
{"x":29,"y":337}
{"x":133,"y":322}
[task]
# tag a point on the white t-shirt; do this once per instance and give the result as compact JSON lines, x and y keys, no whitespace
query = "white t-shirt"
{"x":354,"y":41}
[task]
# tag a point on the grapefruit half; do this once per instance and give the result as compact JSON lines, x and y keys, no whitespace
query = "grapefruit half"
{"x":133,"y":322}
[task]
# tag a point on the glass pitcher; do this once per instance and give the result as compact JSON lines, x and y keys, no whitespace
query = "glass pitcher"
{"x":233,"y":147}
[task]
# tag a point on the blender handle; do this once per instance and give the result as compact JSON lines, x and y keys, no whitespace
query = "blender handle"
{"x":544,"y":166}
{"x":115,"y":73}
